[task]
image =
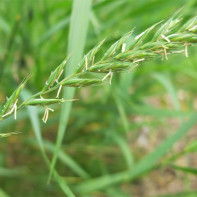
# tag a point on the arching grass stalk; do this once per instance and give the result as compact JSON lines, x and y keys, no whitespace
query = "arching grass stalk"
{"x":168,"y":38}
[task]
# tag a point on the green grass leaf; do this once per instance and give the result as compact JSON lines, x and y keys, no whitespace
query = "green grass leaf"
{"x":3,"y":193}
{"x":77,"y":37}
{"x":185,"y":169}
{"x":33,"y":114}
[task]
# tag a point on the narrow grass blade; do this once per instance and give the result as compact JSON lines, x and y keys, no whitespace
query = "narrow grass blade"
{"x":4,"y":25}
{"x":33,"y":113}
{"x":67,"y":160}
{"x":3,"y":193}
{"x":167,"y":84}
{"x":116,"y":192}
{"x":57,"y":27}
{"x":152,"y":111}
{"x":11,"y":172}
{"x":181,"y":194}
{"x":63,"y":185}
{"x":126,"y":151}
{"x":77,"y":37}
{"x":185,"y":169}
{"x":144,"y":165}
{"x":122,"y":112}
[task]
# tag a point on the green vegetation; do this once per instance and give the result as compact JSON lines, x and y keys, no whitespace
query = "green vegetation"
{"x":134,"y":122}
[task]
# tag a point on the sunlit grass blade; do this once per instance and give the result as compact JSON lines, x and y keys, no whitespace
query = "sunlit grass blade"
{"x":3,"y":193}
{"x":77,"y":37}
{"x":4,"y":26}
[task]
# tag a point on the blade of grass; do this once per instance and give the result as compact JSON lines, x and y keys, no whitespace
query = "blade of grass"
{"x":152,"y":111}
{"x":167,"y":84}
{"x":57,"y":27}
{"x":144,"y":165}
{"x":4,"y":25}
{"x":11,"y":172}
{"x":3,"y":193}
{"x":77,"y":36}
{"x":67,"y":160}
{"x":182,"y":194}
{"x":33,"y":114}
{"x":122,"y":112}
{"x":185,"y":169}
{"x":125,"y":149}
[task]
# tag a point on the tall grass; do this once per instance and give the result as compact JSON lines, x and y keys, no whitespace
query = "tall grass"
{"x":99,"y":155}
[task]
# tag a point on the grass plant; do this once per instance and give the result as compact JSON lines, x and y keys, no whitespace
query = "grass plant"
{"x":148,"y":78}
{"x":116,"y":59}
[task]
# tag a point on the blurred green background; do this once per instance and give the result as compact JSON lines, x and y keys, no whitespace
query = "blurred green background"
{"x":111,"y":128}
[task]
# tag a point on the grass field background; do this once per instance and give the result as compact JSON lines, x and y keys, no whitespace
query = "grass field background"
{"x":135,"y":137}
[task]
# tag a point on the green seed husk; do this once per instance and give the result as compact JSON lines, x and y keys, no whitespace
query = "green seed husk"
{"x":36,"y":102}
{"x":13,"y":98}
{"x":88,"y":58}
{"x":55,"y":75}
{"x":115,"y":66}
{"x":80,"y":82}
{"x":112,"y":50}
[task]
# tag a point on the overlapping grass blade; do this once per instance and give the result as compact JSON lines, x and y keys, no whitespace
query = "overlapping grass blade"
{"x":67,"y":160}
{"x":33,"y":114}
{"x":144,"y":165}
{"x":77,"y":37}
{"x":185,"y":169}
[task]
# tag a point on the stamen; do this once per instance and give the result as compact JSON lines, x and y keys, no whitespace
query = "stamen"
{"x":165,"y":38}
{"x":123,"y":47}
{"x":14,"y":108}
{"x":59,"y":76}
{"x":110,"y":80}
{"x":181,"y":51}
{"x":46,"y":114}
{"x":139,"y":60}
{"x":193,"y":28}
{"x":86,"y":62}
{"x":109,"y":73}
{"x":186,"y":50}
{"x":140,"y":35}
{"x":133,"y":67}
{"x":93,"y":60}
{"x":58,"y":93}
{"x":15,"y":111}
{"x":165,"y":52}
{"x":44,"y":117}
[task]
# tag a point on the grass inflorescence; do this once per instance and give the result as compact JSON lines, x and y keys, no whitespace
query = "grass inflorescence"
{"x":167,"y":38}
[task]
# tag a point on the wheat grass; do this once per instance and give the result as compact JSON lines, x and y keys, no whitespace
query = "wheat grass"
{"x":168,"y":38}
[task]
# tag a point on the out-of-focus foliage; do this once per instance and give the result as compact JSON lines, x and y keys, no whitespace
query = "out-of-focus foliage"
{"x":111,"y":128}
